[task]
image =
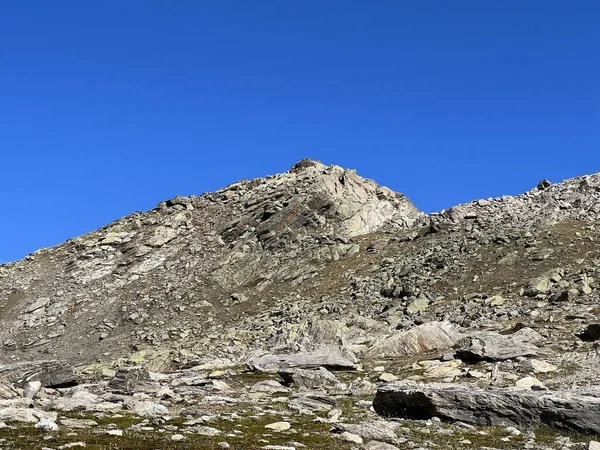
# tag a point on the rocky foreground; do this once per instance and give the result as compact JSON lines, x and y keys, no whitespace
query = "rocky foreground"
{"x":311,"y":309}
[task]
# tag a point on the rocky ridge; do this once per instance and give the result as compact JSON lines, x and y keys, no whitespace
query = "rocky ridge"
{"x":309,"y":295}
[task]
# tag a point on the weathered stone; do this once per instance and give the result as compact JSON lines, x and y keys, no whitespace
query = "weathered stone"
{"x":31,"y":389}
{"x":387,"y":377}
{"x":52,"y":373}
{"x":351,"y":437}
{"x":127,"y":378}
{"x":327,"y":358}
{"x":529,"y":383}
{"x":538,"y":366}
{"x":312,"y":379}
{"x":490,"y":346}
{"x":377,"y":430}
{"x":420,"y":339}
{"x":591,"y":332}
{"x":377,"y":445}
{"x":28,"y":415}
{"x":311,"y":403}
{"x":278,"y":426}
{"x":576,"y":410}
{"x":146,"y":408}
{"x":269,"y":387}
{"x":420,"y":304}
{"x":363,"y":388}
{"x":7,"y":390}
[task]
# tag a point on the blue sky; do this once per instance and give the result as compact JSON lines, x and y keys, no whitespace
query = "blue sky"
{"x":107,"y":108}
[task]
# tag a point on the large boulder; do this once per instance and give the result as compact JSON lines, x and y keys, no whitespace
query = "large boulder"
{"x":491,"y":346}
{"x":52,"y":373}
{"x":420,"y":339}
{"x":568,"y":410}
{"x":311,"y":403}
{"x":377,"y":430}
{"x":127,"y":378}
{"x":320,"y":379}
{"x":328,"y":358}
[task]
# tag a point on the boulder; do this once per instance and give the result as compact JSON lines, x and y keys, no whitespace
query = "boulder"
{"x":320,"y":379}
{"x":491,"y":346}
{"x":420,"y":339}
{"x":127,"y":378}
{"x":326,"y":357}
{"x":7,"y":390}
{"x":363,"y":388}
{"x":146,"y":408}
{"x":28,"y":415}
{"x":376,"y":430}
{"x":310,"y":403}
{"x":269,"y":387}
{"x":51,"y":373}
{"x":567,"y":410}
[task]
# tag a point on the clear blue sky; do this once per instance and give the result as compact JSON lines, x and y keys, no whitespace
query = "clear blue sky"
{"x":108,"y":107}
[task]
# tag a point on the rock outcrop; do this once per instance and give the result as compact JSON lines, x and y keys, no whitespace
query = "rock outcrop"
{"x":575,"y":411}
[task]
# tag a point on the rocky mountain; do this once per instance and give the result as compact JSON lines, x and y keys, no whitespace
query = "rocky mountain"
{"x":218,"y":321}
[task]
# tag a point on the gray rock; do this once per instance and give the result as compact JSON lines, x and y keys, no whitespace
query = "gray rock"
{"x":420,"y":339}
{"x":311,"y":403}
{"x":377,"y":445}
{"x":327,"y":358}
{"x":376,"y":430}
{"x":269,"y":387}
{"x":567,"y":410}
{"x":490,"y":346}
{"x":31,"y":389}
{"x":52,"y":373}
{"x":312,"y":379}
{"x":146,"y":408}
{"x":363,"y":388}
{"x":83,"y":400}
{"x":127,"y":378}
{"x":7,"y":390}
{"x":27,"y":415}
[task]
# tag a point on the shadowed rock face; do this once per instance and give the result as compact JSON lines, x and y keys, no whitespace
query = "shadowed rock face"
{"x":574,"y":410}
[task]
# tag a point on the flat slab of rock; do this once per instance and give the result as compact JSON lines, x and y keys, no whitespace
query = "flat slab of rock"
{"x":374,"y":430}
{"x":420,"y":339}
{"x":326,"y":358}
{"x":319,"y":379}
{"x":52,"y":373}
{"x":567,"y":410}
{"x":311,"y":403}
{"x":491,"y":346}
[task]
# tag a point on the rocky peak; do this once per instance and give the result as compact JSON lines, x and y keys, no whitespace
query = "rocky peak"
{"x":314,"y":198}
{"x":277,"y":229}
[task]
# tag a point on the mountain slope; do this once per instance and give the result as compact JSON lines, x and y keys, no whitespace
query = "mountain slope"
{"x":168,"y":275}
